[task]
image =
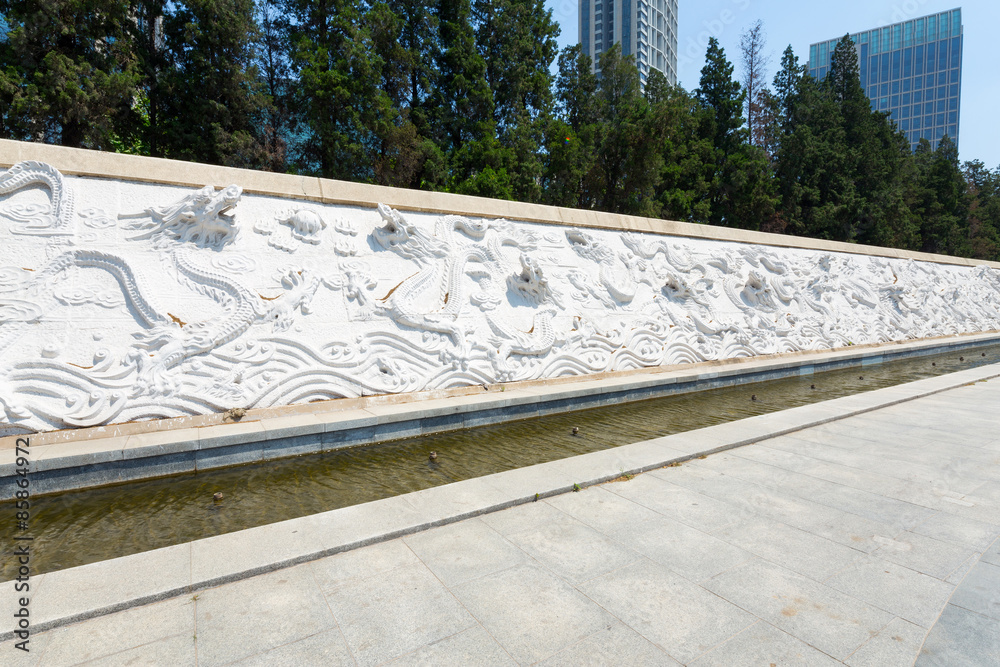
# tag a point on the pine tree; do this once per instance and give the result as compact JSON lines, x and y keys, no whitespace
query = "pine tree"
{"x":272,"y":52}
{"x":463,"y":105}
{"x":688,"y":156}
{"x":741,"y":191}
{"x":627,"y":162}
{"x":718,"y":91}
{"x":872,"y":206}
{"x":787,"y":89}
{"x":942,"y":202}
{"x":68,"y":74}
{"x":517,"y":41}
{"x":341,"y":105}
{"x":984,"y":210}
{"x":209,"y":96}
{"x":810,"y":170}
{"x":755,"y":62}
{"x":570,"y":135}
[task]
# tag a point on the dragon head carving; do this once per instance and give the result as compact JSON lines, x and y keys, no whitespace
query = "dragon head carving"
{"x":203,"y":217}
{"x":530,"y":283}
{"x":406,"y":239}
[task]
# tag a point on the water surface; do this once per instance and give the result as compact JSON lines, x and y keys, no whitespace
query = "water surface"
{"x":79,"y":527}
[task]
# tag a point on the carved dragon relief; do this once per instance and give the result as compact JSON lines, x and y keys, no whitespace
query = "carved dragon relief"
{"x":54,"y":219}
{"x":201,"y":318}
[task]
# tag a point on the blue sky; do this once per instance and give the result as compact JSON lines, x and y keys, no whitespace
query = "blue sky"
{"x":802,"y":23}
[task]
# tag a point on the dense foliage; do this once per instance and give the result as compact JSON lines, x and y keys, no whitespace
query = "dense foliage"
{"x":473,"y":97}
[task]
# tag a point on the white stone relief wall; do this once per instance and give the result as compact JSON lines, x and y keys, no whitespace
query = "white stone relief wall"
{"x":122,"y":300}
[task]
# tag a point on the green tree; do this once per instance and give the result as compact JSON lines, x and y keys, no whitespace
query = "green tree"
{"x":840,"y":167}
{"x":941,"y":204}
{"x":404,"y":37}
{"x":688,"y":156}
{"x":788,"y":83}
{"x":342,"y":108}
{"x":517,"y":41}
{"x":208,"y":93}
{"x":272,"y":51}
{"x":741,"y":190}
{"x":874,"y":209}
{"x":811,"y":168}
{"x":67,"y":72}
{"x":570,"y":134}
{"x":984,"y":210}
{"x":718,"y":91}
{"x":627,"y":160}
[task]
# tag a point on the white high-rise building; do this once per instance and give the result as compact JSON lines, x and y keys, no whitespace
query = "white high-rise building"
{"x":646,"y":29}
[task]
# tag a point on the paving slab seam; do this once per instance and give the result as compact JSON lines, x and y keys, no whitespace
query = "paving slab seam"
{"x":955,"y":591}
{"x":126,"y":459}
{"x":945,"y":383}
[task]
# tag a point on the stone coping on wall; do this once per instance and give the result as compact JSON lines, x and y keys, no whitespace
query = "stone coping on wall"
{"x":78,"y":593}
{"x":97,"y":164}
{"x":100,"y":456}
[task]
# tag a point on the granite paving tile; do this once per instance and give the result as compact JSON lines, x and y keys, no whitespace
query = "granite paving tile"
{"x":179,"y":650}
{"x":912,"y":596}
{"x":980,"y":591}
{"x":855,"y":501}
{"x":897,"y":645}
{"x":470,"y":648}
{"x":358,"y":564}
{"x":616,"y":645}
{"x":849,"y":529}
{"x":800,"y":551}
{"x":682,"y":618}
{"x":764,"y":644}
{"x":961,"y":637}
{"x":857,"y":478}
{"x":323,"y":648}
{"x":531,"y":612}
{"x":959,"y":573}
{"x":91,"y":588}
{"x":522,"y":517}
{"x":680,"y":503}
{"x":923,"y":554}
{"x":465,"y":550}
{"x":573,"y":550}
{"x":992,"y":555}
{"x":822,"y":617}
{"x":98,"y":638}
{"x":959,"y":530}
{"x":246,"y":617}
{"x":253,"y":550}
{"x":689,"y":552}
{"x":601,"y":508}
{"x":393,"y":613}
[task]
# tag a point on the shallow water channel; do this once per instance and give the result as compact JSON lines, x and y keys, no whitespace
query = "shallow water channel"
{"x":79,"y":527}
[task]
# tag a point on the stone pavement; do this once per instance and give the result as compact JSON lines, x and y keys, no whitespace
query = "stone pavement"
{"x":870,"y":540}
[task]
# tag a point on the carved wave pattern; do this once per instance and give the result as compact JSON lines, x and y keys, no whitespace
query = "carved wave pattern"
{"x":207,"y":303}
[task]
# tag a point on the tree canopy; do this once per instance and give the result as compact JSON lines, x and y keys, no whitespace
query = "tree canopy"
{"x":473,"y":97}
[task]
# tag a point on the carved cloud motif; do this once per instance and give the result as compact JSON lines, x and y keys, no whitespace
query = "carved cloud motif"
{"x":195,"y":317}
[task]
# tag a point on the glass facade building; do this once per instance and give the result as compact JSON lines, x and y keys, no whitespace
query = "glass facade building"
{"x":912,"y":70}
{"x":646,"y":29}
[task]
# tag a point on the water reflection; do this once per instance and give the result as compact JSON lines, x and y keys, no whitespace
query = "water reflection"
{"x":80,"y":527}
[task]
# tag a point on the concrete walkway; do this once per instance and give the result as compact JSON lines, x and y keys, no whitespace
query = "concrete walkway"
{"x":838,"y":543}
